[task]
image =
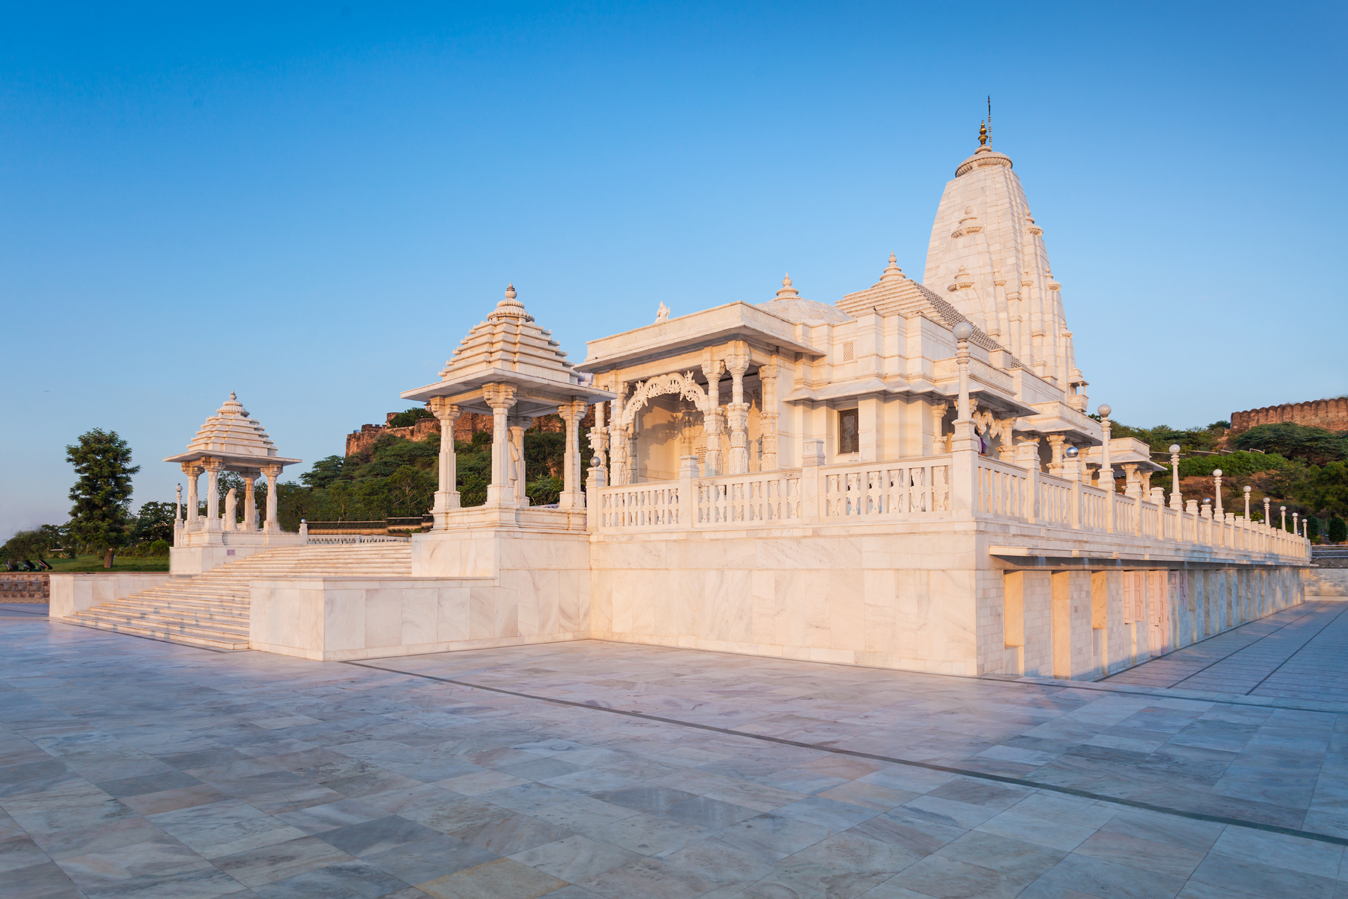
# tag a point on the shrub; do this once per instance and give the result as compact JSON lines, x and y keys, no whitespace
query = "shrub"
{"x":157,"y":548}
{"x":1338,"y":530}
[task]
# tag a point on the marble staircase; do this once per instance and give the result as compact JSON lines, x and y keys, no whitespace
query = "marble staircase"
{"x":211,"y":609}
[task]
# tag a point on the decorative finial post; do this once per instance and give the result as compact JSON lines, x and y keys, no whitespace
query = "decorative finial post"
{"x":1106,"y":472}
{"x":1176,"y":501}
{"x":964,"y":425}
{"x":1268,"y":522}
{"x":1283,"y":509}
{"x":1217,"y":485}
{"x":1296,"y":528}
{"x":983,"y":134}
{"x":1247,"y":503}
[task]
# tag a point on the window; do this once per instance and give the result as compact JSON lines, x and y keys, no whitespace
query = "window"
{"x":849,"y":432}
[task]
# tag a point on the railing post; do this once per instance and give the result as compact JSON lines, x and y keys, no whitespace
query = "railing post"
{"x":811,"y":483}
{"x":687,"y":492}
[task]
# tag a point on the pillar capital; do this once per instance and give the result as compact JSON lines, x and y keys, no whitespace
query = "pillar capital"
{"x":443,"y":409}
{"x":499,"y":396}
{"x":211,"y":464}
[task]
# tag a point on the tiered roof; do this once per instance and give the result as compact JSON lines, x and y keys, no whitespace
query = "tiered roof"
{"x":897,"y":294}
{"x":508,"y":348}
{"x":235,"y":437}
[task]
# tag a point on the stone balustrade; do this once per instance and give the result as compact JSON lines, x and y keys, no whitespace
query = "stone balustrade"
{"x":928,"y":488}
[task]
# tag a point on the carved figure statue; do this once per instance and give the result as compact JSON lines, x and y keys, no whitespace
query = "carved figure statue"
{"x":662,"y":313}
{"x":231,"y":506}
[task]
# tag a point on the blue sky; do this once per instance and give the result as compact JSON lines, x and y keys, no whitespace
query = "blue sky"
{"x":312,"y":204}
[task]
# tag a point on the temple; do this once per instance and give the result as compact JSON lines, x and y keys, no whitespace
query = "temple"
{"x":907,"y":477}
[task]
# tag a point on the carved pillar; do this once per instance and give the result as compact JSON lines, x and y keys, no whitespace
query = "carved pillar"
{"x":518,"y":424}
{"x":1056,"y":442}
{"x":572,"y":497}
{"x":212,"y":467}
{"x":712,"y":421}
{"x":193,"y":472}
{"x":249,"y":502}
{"x":618,"y":446}
{"x":446,"y":496}
{"x":500,"y":397}
{"x":599,"y":444}
{"x":273,"y":472}
{"x":177,"y":513}
{"x":1132,"y":483}
{"x":767,"y":375}
{"x":1007,"y":453}
{"x":964,"y":439}
{"x":737,"y":413}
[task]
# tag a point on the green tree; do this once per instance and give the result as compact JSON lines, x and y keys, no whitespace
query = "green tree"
{"x":410,"y":492}
{"x":1314,"y":446}
{"x":1338,"y":530}
{"x":154,"y":521}
{"x":323,"y":472}
{"x":409,"y":418}
{"x":26,"y":545}
{"x":100,"y":518}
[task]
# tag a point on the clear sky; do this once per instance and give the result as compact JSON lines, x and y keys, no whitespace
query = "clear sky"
{"x":312,"y":204}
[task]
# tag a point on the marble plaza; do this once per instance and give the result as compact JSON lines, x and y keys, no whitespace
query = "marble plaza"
{"x":907,"y":478}
{"x":136,"y":768}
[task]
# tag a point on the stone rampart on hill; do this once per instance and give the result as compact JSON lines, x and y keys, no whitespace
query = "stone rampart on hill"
{"x":1332,"y":415}
{"x":465,"y":427}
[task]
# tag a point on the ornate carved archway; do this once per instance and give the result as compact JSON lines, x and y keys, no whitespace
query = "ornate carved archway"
{"x":660,"y":385}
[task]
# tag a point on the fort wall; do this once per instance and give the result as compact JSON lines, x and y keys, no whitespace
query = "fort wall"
{"x":1332,"y":415}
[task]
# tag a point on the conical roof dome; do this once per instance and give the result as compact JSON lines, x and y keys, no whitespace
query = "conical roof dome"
{"x":509,"y":341}
{"x":232,"y":435}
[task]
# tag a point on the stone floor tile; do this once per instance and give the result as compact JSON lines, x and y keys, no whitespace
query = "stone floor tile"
{"x":1037,"y":830}
{"x":1281,"y":851}
{"x":171,"y":800}
{"x":1161,"y":828}
{"x":711,"y":814}
{"x":346,"y":879}
{"x":377,"y":835}
{"x":945,"y":878}
{"x":649,"y":835}
{"x":429,"y":858}
{"x":501,"y":879}
{"x":1107,"y":880}
{"x":278,"y":861}
{"x":507,"y":836}
{"x":576,"y":858}
{"x":828,"y":813}
{"x":1260,"y":878}
{"x":1126,"y":849}
{"x":479,"y":782}
{"x":332,"y":815}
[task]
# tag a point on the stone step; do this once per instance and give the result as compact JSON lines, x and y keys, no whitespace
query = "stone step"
{"x":212,"y":609}
{"x":223,"y":642}
{"x":171,"y":625}
{"x":199,"y":613}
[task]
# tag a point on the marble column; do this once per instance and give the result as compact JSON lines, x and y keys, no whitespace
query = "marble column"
{"x":1057,"y":443}
{"x":1106,"y":471}
{"x":964,"y":439}
{"x":212,"y":467}
{"x":767,"y":376}
{"x":177,"y":513}
{"x":1132,"y":483}
{"x":598,"y":476}
{"x":572,"y":497}
{"x":737,"y":412}
{"x":518,"y":424}
{"x":273,"y":472}
{"x":500,"y":397}
{"x":712,"y":421}
{"x":193,"y":472}
{"x":618,"y":446}
{"x":446,"y":496}
{"x":249,"y":502}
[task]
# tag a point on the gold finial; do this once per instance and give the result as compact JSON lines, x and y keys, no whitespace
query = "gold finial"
{"x":983,"y":134}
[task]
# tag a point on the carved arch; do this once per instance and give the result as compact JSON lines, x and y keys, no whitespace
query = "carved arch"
{"x":681,"y":384}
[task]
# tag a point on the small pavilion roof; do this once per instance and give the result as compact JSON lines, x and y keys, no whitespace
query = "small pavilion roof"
{"x":510,"y":348}
{"x":235,"y":438}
